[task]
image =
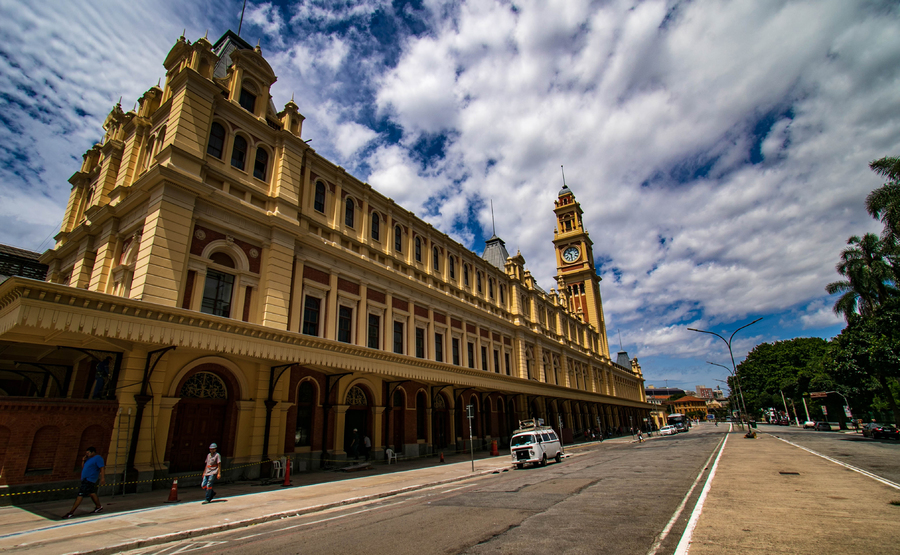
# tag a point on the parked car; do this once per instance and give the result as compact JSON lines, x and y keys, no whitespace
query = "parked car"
{"x":886,"y":431}
{"x":823,"y":427}
{"x":668,"y":431}
{"x":867,"y":428}
{"x":809,"y":424}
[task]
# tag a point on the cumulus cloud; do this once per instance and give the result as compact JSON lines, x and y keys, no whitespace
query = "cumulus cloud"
{"x":719,"y":149}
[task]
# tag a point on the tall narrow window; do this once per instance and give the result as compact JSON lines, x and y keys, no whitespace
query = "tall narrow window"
{"x":216,"y":144}
{"x":305,"y":403}
{"x":311,"y":316}
{"x":345,"y":324}
{"x":376,"y":227}
{"x":319,"y":202}
{"x":418,"y":250}
{"x":435,"y":259}
{"x":502,"y":299}
{"x":349,"y":212}
{"x":247,"y":100}
{"x":217,"y":294}
{"x":439,"y":347}
{"x":466,"y":275}
{"x":506,"y":357}
{"x":496,"y":361}
{"x":484,"y":359}
{"x":260,"y":166}
{"x":398,"y":338}
{"x":451,"y":267}
{"x":398,"y":239}
{"x":455,"y":347}
{"x":374,"y":330}
{"x":491,"y":288}
{"x":478,"y":281}
{"x":470,"y":350}
{"x":239,"y":152}
{"x":420,"y":342}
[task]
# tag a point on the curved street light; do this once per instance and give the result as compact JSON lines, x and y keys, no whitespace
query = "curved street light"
{"x":733,"y":366}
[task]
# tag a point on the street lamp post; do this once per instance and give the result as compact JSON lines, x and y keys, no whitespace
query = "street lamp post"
{"x":733,"y":365}
{"x":742,"y":405}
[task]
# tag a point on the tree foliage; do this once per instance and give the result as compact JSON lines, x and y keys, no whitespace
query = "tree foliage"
{"x":795,"y":367}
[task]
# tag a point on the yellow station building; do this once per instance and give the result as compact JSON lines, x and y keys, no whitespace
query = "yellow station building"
{"x":249,"y":292}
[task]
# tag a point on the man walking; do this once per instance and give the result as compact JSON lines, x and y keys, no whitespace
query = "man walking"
{"x":212,"y":472}
{"x":93,"y":471}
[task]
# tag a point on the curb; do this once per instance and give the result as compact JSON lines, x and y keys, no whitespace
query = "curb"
{"x":198,"y":532}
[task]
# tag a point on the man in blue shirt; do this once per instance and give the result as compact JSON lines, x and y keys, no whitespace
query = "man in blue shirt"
{"x":93,"y":471}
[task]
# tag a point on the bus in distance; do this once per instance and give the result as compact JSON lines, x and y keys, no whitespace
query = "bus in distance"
{"x":679,"y":421}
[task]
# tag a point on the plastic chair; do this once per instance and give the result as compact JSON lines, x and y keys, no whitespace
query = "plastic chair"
{"x":391,"y":455}
{"x":278,"y":468}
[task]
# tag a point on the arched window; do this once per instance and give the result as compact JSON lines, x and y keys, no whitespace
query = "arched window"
{"x":306,"y":402}
{"x":216,"y":146}
{"x":376,"y":227}
{"x":418,"y":250}
{"x":319,"y":202}
{"x":478,"y":281}
{"x":247,"y":99}
{"x":222,"y":259}
{"x":451,"y":267}
{"x":466,"y":275}
{"x":349,"y":212}
{"x":204,"y":385}
{"x":239,"y":152}
{"x":357,"y":397}
{"x":261,"y":164}
{"x":435,"y":259}
{"x":398,"y":239}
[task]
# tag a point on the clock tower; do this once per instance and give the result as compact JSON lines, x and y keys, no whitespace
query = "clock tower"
{"x":576,"y":275}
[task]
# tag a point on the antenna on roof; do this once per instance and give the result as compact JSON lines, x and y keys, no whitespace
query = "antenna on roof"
{"x":493,"y":225}
{"x":242,"y":18}
{"x":563,"y":174}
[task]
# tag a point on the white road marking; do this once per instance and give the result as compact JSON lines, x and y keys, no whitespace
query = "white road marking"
{"x":875,"y":477}
{"x":664,"y":534}
{"x":320,"y":520}
{"x":685,"y":542}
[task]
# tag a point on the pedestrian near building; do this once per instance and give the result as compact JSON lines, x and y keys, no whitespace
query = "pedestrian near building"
{"x":212,"y":472}
{"x":367,"y":446}
{"x":93,"y":472}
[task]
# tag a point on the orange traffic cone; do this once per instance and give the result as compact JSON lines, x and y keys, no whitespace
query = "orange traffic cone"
{"x":494,"y":451}
{"x":442,"y":456}
{"x":287,"y":475}
{"x":173,"y":493}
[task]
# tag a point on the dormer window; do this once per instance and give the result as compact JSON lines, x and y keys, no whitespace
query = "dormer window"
{"x":239,"y":152}
{"x":261,"y":163}
{"x":247,"y":100}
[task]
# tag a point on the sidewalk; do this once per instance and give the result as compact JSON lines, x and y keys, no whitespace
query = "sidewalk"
{"x":770,"y":497}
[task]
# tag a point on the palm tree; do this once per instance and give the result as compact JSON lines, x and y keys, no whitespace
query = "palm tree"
{"x":884,"y":202}
{"x":869,"y":277}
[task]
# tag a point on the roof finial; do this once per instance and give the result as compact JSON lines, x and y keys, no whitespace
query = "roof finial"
{"x":183,"y":31}
{"x":158,"y":81}
{"x":493,"y":225}
{"x":292,"y":97}
{"x":119,"y":103}
{"x":620,"y":339}
{"x":563,"y":175}
{"x":206,"y":34}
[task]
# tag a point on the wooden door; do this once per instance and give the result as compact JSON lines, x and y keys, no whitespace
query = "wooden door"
{"x":198,"y":423}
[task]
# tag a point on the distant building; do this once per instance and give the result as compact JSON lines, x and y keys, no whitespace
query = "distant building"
{"x":704,"y":392}
{"x":719,"y":394}
{"x":688,"y":405}
{"x":662,"y":392}
{"x":19,"y":262}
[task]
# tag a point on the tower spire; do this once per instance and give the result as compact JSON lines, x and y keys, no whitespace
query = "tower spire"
{"x":493,"y":225}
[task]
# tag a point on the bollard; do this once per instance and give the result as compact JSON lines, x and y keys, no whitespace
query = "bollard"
{"x":494,"y":451}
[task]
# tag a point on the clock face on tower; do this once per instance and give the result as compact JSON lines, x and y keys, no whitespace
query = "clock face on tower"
{"x":571,"y":254}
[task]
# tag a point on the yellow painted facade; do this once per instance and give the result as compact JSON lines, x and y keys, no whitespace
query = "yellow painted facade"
{"x":204,"y":222}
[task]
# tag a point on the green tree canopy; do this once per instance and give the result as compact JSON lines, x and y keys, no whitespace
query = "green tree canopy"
{"x":794,"y":367}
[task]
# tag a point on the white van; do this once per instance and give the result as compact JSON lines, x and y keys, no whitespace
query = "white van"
{"x":534,"y":443}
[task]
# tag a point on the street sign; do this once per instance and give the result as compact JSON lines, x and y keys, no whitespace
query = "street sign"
{"x":470,"y":411}
{"x":824,"y":411}
{"x":818,"y":395}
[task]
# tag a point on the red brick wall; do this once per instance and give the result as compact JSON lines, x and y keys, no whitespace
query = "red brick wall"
{"x":49,"y":434}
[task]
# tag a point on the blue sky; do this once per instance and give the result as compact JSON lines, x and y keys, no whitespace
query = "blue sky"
{"x":719,"y":149}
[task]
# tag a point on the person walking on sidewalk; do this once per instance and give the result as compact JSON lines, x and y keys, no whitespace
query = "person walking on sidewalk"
{"x":640,"y":435}
{"x":367,"y":446}
{"x":93,"y":471}
{"x":212,"y":472}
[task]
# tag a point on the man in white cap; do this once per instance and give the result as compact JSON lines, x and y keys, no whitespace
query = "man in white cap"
{"x":212,"y":472}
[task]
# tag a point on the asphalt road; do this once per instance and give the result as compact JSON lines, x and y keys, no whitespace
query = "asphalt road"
{"x":878,"y":456}
{"x":608,"y":498}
